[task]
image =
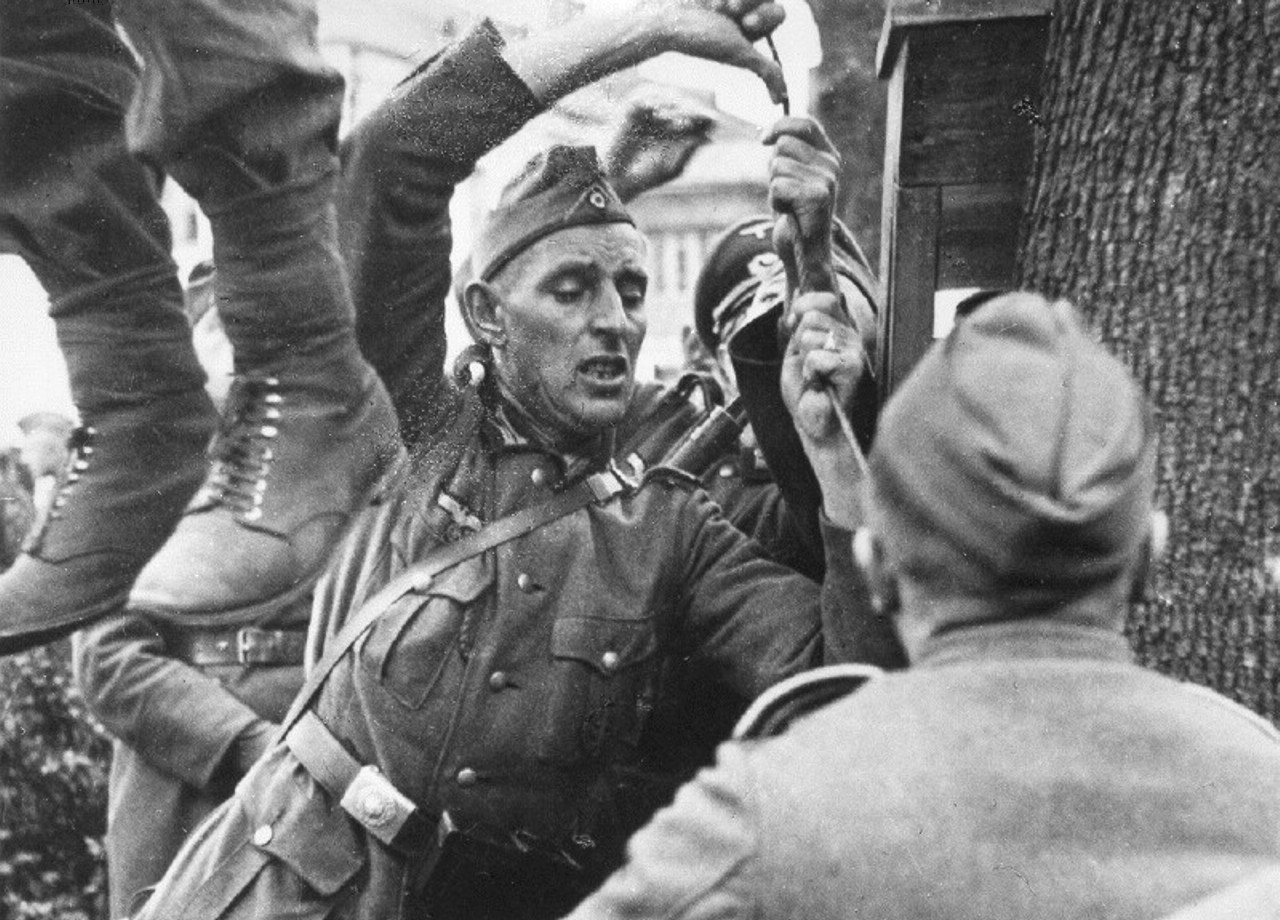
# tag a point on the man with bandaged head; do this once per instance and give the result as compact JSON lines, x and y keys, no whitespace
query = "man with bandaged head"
{"x":1022,"y":765}
{"x":489,"y":644}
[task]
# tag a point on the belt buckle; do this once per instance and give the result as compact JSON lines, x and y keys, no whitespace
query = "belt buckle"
{"x":610,"y":482}
{"x":245,"y":644}
{"x":254,"y":645}
{"x":379,"y":806}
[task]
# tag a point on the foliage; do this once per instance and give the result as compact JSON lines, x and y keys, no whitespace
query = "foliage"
{"x":53,"y":782}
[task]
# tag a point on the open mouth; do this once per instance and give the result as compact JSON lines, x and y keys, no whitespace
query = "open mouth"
{"x":604,"y":368}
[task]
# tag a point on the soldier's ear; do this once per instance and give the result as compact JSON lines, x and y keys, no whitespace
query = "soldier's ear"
{"x":1159,"y":535}
{"x":1152,"y":550}
{"x":882,"y":587}
{"x":484,"y":313}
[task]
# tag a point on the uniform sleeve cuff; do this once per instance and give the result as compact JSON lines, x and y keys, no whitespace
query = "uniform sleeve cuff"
{"x":463,"y":102}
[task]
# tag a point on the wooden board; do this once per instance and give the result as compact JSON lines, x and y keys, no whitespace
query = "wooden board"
{"x":978,"y":235}
{"x":912,"y":278}
{"x":970,"y":102}
{"x":904,"y":15}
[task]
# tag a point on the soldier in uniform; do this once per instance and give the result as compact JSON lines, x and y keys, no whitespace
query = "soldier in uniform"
{"x":471,"y":741}
{"x":1022,"y":765}
{"x":190,"y":710}
{"x":742,"y":288}
{"x":17,"y":511}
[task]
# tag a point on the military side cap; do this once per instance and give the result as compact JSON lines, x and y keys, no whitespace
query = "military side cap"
{"x":559,"y":188}
{"x":1015,"y":465}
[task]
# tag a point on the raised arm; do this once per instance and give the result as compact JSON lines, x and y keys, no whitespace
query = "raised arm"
{"x":558,"y":61}
{"x":403,"y":162}
{"x":400,"y":167}
{"x":825,"y":370}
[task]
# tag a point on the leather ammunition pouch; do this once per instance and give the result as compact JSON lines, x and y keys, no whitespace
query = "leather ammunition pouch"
{"x":476,"y":872}
{"x":479,"y":872}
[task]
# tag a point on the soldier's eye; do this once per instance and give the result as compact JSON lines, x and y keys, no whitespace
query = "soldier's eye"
{"x":632,"y":293}
{"x":568,"y":293}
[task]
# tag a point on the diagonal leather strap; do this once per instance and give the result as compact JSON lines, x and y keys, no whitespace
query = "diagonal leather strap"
{"x":598,"y":488}
{"x":363,"y":792}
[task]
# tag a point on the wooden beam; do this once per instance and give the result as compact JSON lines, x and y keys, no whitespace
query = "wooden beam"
{"x":904,"y":15}
{"x":907,"y":330}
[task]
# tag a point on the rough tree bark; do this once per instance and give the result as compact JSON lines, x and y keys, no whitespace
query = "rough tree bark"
{"x":1155,"y":206}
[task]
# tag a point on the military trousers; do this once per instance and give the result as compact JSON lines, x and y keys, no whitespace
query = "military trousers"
{"x":232,"y":101}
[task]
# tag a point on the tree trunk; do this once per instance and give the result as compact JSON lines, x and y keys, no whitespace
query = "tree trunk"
{"x":1154,"y":205}
{"x":850,"y":103}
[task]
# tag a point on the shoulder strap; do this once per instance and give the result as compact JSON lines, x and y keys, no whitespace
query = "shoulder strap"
{"x":774,"y":710}
{"x":598,"y":488}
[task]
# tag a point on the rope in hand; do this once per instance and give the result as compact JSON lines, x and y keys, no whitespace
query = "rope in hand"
{"x":785,"y":102}
{"x":804,"y":284}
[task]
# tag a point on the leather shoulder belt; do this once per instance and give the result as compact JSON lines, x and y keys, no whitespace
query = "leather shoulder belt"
{"x":599,"y":488}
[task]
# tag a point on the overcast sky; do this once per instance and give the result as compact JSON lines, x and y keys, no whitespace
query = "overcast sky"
{"x":32,"y":374}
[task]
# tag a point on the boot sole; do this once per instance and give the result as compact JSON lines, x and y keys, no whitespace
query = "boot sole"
{"x":260,"y":610}
{"x":14,"y":641}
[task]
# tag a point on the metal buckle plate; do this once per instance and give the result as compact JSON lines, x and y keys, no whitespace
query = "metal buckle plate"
{"x":380,"y":807}
{"x":246,"y":644}
{"x":608,"y":483}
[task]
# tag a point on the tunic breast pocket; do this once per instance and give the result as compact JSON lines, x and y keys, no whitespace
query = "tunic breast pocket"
{"x":603,"y":675}
{"x":409,"y":648}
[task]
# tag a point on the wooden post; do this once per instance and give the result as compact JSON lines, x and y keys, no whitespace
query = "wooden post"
{"x":964,"y":95}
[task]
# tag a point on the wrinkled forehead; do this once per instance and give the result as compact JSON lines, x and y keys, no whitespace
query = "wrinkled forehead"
{"x":607,"y":247}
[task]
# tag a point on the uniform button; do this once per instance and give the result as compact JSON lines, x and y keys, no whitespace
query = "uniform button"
{"x":609,"y":661}
{"x":524,"y":581}
{"x":726,"y":472}
{"x":467,"y":777}
{"x":538,"y":476}
{"x":262,"y":836}
{"x":498,"y":680}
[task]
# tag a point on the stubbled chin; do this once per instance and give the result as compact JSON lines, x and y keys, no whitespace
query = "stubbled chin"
{"x":594,"y":412}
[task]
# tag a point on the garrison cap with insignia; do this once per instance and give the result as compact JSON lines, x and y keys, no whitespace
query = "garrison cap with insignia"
{"x":559,"y":188}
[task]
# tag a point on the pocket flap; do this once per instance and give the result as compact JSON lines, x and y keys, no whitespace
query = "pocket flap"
{"x":315,"y":838}
{"x":605,"y":643}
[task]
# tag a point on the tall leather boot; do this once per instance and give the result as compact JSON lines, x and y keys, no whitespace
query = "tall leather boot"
{"x":84,"y":215}
{"x":242,"y":111}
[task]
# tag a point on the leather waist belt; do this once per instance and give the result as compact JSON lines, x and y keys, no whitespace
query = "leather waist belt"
{"x":361,"y":789}
{"x":248,"y":645}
